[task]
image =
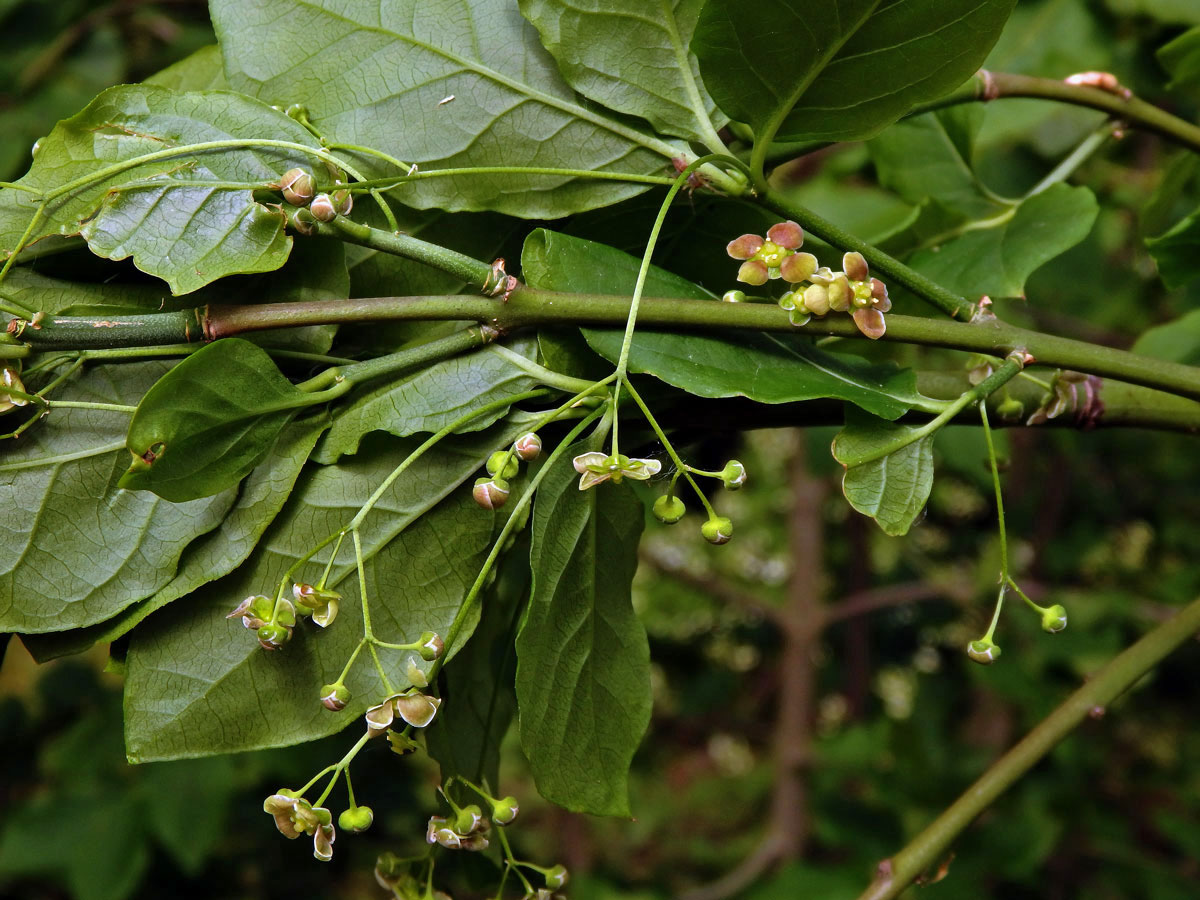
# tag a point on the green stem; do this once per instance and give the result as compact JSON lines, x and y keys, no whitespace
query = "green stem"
{"x":459,"y":265}
{"x":528,"y":307}
{"x":928,"y":290}
{"x":548,"y":377}
{"x":993,"y":382}
{"x":986,"y":86}
{"x":995,"y":469}
{"x":1076,"y":158}
{"x":927,"y":848}
{"x":680,"y":467}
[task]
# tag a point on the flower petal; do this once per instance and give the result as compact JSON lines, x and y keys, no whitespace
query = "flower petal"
{"x":798,"y":267}
{"x":870,"y":322}
{"x":379,"y":718}
{"x":787,"y":234}
{"x":642,"y":469}
{"x":416,"y":709}
{"x":584,"y":461}
{"x":323,"y":839}
{"x":325,"y":616}
{"x":855,"y":266}
{"x":753,"y":271}
{"x":744,"y":247}
{"x":879,"y":296}
{"x":591,"y":479}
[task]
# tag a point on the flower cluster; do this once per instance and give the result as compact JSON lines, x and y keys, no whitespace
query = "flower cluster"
{"x":465,"y":831}
{"x":295,"y":816}
{"x":596,"y":467}
{"x":412,"y":706}
{"x":272,"y":622}
{"x":299,"y":189}
{"x":820,"y":290}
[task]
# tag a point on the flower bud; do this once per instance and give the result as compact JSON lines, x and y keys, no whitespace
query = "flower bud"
{"x":272,"y":637}
{"x":334,"y":697}
{"x":503,"y":464}
{"x":323,"y":208}
{"x":343,"y":201}
{"x":1054,"y":619}
{"x":528,"y":447}
{"x":304,"y":221}
{"x":298,"y":187}
{"x":490,"y":493}
{"x":297,"y":111}
{"x":669,"y":509}
{"x":470,"y":819}
{"x":983,"y":652}
{"x":734,"y":296}
{"x":733,"y":475}
{"x":816,"y":299}
{"x":718,"y":530}
{"x":839,"y":293}
{"x":1011,"y":409}
{"x":556,"y":877}
{"x":356,"y":819}
{"x":505,"y":810}
{"x":311,"y":598}
{"x":432,"y":646}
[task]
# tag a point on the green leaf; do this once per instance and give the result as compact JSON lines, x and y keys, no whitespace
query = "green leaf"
{"x":198,"y":684}
{"x":75,"y":549}
{"x":378,"y":76}
{"x":429,"y":400}
{"x":478,"y":686}
{"x":1176,"y":341}
{"x":661,"y":83}
{"x":209,"y":421}
{"x":210,"y":556}
{"x":764,"y":367}
{"x":160,"y":212}
{"x":893,"y":488}
{"x":583,"y":661}
{"x":839,"y":69}
{"x":1177,"y":252}
{"x":932,"y":156}
{"x":201,"y":71}
{"x":995,"y":256}
{"x":1181,"y":58}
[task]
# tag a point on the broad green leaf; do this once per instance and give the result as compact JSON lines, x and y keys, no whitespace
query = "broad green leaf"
{"x":209,"y":421}
{"x":198,"y":684}
{"x":75,"y":549}
{"x":839,"y":69}
{"x":1181,"y":58}
{"x":160,"y":212}
{"x":199,"y":72}
{"x":660,"y":82}
{"x":442,"y":84}
{"x":1177,"y":341}
{"x":995,"y":256}
{"x":764,"y":367}
{"x":932,"y":156}
{"x":209,"y":556}
{"x":892,"y":489}
{"x":478,"y":686}
{"x":1177,"y":252}
{"x":429,"y":400}
{"x":583,"y":661}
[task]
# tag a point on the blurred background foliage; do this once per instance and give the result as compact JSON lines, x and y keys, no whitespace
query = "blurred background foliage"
{"x":813,"y":707}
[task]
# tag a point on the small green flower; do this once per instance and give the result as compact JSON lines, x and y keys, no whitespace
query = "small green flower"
{"x":983,"y":652}
{"x":595,"y":467}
